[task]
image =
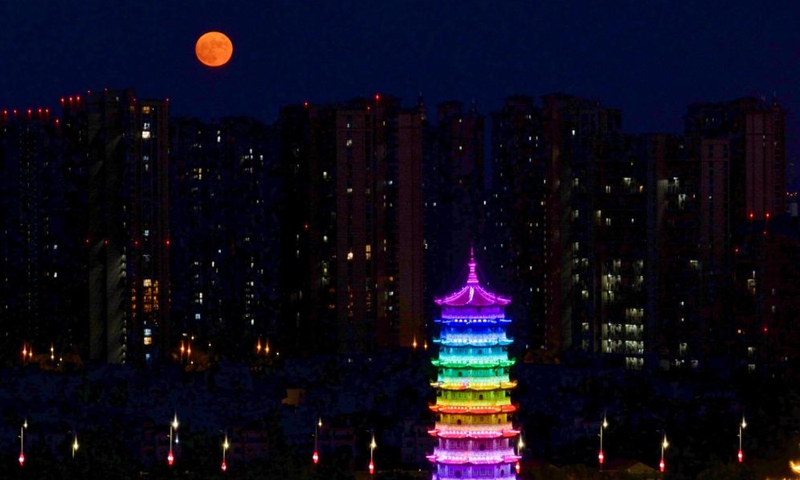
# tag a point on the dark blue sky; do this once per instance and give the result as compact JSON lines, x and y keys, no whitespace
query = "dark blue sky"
{"x":649,"y":58}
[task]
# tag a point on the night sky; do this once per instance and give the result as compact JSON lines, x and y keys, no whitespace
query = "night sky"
{"x":649,"y":58}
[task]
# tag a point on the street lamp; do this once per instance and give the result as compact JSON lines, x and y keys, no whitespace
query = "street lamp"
{"x":225,"y":446}
{"x":172,"y":427}
{"x":600,"y":456}
{"x":315,"y":457}
{"x":372,"y":446}
{"x":22,"y":443}
{"x":664,"y":445}
{"x":741,"y":432}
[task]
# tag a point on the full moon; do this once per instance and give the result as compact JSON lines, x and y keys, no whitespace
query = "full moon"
{"x":213,"y":49}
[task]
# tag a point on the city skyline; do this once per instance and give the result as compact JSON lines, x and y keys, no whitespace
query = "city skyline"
{"x":648,"y":60}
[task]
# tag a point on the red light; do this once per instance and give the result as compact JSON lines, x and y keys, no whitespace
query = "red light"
{"x":661,"y":466}
{"x":767,"y":215}
{"x":78,"y":98}
{"x":167,"y":242}
{"x":741,"y":456}
{"x":751,"y":215}
{"x":305,"y":104}
{"x":600,"y":457}
{"x":105,"y":242}
{"x":315,"y":457}
{"x":305,"y":226}
{"x":765,"y":329}
{"x":21,"y":459}
{"x":518,"y":467}
{"x":224,"y":466}
{"x":62,"y":99}
{"x":371,"y":468}
{"x":170,"y":459}
{"x":377,"y":97}
{"x":70,"y":99}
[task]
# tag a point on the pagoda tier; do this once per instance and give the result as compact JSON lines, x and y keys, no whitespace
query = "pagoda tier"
{"x":473,"y":407}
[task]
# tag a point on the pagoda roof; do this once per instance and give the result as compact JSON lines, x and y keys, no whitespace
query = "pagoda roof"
{"x":472,"y":293}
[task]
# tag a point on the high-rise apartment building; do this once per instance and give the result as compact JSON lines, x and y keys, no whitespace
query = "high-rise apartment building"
{"x":224,"y":233}
{"x":454,"y":186}
{"x":125,"y":144}
{"x":352,"y":226}
{"x":41,"y":272}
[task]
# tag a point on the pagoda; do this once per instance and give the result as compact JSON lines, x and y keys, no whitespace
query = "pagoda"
{"x":473,"y":390}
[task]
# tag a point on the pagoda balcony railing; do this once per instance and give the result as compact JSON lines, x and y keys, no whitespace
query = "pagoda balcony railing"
{"x":473,"y":362}
{"x":475,"y":383}
{"x":484,"y":431}
{"x":478,"y":340}
{"x":486,"y":457}
{"x":462,"y":409}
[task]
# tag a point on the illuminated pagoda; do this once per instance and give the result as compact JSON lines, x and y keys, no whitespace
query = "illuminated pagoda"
{"x":473,"y":390}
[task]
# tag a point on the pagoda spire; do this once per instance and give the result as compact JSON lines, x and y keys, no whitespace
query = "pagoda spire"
{"x":472,"y":278}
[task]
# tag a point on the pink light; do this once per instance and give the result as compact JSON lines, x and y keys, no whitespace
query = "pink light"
{"x":371,"y":468}
{"x":518,"y":467}
{"x":170,"y":459}
{"x":224,"y":466}
{"x":661,"y":466}
{"x":741,"y":456}
{"x":600,"y":457}
{"x":21,"y":459}
{"x":315,"y":457}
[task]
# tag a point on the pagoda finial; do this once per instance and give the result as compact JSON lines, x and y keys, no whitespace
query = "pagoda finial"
{"x":472,"y":278}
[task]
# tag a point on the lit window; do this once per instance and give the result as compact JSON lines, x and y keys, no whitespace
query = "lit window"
{"x":145,"y":134}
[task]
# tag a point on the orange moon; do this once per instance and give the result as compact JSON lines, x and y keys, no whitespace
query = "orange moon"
{"x":213,"y":49}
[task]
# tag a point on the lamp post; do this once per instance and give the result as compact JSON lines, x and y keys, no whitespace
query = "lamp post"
{"x":741,"y":433}
{"x":664,"y":445}
{"x":172,"y":427}
{"x":600,"y":456}
{"x":317,"y":426}
{"x":225,"y":446}
{"x":372,"y":446}
{"x":22,"y":443}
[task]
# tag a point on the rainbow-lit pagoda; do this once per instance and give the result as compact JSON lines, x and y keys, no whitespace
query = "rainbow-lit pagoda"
{"x":473,"y":390}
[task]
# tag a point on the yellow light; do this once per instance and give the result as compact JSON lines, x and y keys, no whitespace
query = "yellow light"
{"x":175,"y":421}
